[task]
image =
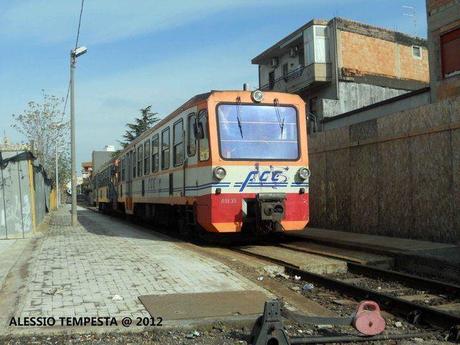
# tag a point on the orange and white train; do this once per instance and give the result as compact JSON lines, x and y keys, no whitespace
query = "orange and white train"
{"x":224,"y":162}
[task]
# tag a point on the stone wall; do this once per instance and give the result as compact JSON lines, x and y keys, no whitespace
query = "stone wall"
{"x":397,"y":175}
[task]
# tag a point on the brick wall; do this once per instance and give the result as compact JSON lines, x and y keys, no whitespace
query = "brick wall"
{"x":396,"y":175}
{"x":374,"y":56}
{"x":435,"y":4}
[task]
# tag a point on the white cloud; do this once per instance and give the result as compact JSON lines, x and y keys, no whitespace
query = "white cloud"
{"x":105,"y":104}
{"x":55,"y":21}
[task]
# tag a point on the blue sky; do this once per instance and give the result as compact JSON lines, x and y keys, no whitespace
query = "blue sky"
{"x":157,"y":53}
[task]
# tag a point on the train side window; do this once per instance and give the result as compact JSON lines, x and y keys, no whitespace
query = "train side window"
{"x":133,"y":162}
{"x":203,"y":143}
{"x":178,"y":143}
{"x":140,"y":158}
{"x":123,"y":167}
{"x":155,"y":154}
{"x":191,"y":141}
{"x":165,"y":149}
{"x":147,"y":157}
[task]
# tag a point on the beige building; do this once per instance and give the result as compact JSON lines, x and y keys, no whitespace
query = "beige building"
{"x":339,"y":65}
{"x":444,"y":45}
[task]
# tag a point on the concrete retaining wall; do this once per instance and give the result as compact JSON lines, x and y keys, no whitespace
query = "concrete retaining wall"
{"x":397,"y":175}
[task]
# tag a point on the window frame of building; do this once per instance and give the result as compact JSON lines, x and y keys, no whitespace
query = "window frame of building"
{"x":271,"y":80}
{"x":285,"y":70}
{"x":155,"y":153}
{"x":445,"y":42}
{"x":178,"y":142}
{"x":147,"y":157}
{"x":191,"y":121}
{"x":202,"y":142}
{"x":419,"y":55}
{"x":165,"y":149}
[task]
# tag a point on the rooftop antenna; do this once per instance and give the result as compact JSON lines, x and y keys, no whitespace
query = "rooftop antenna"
{"x":411,"y":12}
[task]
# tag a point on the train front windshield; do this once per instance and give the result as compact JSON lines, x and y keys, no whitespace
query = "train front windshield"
{"x":258,"y":132}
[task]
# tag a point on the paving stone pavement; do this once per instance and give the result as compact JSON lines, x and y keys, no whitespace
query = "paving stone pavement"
{"x":76,"y":271}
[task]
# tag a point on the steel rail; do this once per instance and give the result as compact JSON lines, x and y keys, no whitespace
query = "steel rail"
{"x":410,"y":280}
{"x":418,"y":313}
{"x":355,"y":338}
{"x":413,"y":312}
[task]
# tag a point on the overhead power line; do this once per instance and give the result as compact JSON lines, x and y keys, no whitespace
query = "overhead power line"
{"x":76,"y":46}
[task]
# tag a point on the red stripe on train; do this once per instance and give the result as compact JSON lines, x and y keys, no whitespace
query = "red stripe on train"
{"x":223,"y":212}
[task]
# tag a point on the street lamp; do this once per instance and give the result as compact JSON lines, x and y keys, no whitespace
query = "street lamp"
{"x":74,"y":53}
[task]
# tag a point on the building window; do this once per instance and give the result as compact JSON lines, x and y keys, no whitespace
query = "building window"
{"x":147,"y":157}
{"x":203,"y":143}
{"x":191,"y":141}
{"x":416,"y":52}
{"x":178,"y":143}
{"x":140,"y":159}
{"x":155,"y":153}
{"x":285,"y":70}
{"x":301,"y":57}
{"x":313,"y":114}
{"x":450,"y":54}
{"x":165,"y":149}
{"x":271,"y":80}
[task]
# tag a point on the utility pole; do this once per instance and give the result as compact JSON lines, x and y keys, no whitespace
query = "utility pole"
{"x":73,"y":60}
{"x":57,"y":175}
{"x":72,"y":138}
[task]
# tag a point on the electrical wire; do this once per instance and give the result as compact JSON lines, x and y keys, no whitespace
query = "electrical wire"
{"x":79,"y":23}
{"x":76,"y":46}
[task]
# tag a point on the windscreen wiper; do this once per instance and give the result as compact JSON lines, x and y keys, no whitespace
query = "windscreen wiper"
{"x":278,"y":116}
{"x":238,"y":101}
{"x":239,"y":125}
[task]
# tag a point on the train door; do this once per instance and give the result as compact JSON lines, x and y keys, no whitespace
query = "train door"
{"x":129,"y":182}
{"x":190,"y":169}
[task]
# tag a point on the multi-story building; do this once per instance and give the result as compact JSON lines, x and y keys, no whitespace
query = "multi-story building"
{"x":444,"y":46}
{"x":339,"y":65}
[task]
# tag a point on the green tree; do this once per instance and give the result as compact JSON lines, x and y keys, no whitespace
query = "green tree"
{"x":42,"y":123}
{"x":140,"y":125}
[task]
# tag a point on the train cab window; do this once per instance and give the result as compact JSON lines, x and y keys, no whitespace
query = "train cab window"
{"x":155,"y":154}
{"x":147,"y":157}
{"x":191,"y":141}
{"x":133,"y":162}
{"x":140,"y":158}
{"x":203,"y":143}
{"x":178,"y":143}
{"x":165,"y":149}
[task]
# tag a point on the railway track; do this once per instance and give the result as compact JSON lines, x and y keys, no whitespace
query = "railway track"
{"x":394,"y":301}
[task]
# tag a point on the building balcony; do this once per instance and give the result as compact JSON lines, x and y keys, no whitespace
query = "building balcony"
{"x":301,"y":78}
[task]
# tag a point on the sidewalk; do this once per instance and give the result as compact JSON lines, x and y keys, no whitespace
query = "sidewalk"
{"x":429,"y":257}
{"x":102,"y":266}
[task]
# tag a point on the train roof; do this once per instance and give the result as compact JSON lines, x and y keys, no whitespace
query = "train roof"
{"x":195,"y":99}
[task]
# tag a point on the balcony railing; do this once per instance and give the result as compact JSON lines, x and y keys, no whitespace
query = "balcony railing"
{"x":300,"y":78}
{"x":294,"y":74}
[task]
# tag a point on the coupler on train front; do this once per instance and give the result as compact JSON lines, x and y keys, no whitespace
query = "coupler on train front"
{"x":269,"y":211}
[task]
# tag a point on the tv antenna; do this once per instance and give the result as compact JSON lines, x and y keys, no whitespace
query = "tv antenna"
{"x":411,"y":12}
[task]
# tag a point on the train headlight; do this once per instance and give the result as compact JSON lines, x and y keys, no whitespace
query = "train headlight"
{"x":257,"y":96}
{"x":304,"y":173}
{"x":219,"y":173}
